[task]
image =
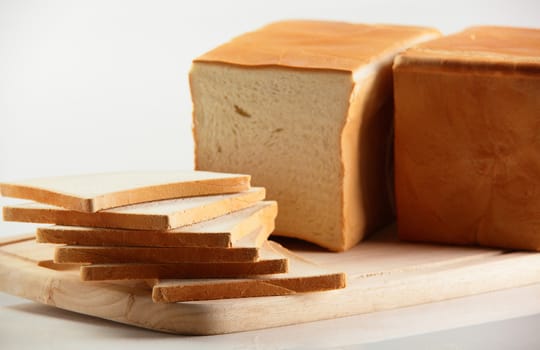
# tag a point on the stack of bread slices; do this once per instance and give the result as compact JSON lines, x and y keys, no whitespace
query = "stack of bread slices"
{"x":197,"y":235}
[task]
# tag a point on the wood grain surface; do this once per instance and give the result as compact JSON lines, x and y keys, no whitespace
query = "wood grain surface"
{"x":382,"y":272}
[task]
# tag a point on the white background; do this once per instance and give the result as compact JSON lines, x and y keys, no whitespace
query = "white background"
{"x":102,"y":85}
{"x":93,"y":86}
{"x":99,"y":86}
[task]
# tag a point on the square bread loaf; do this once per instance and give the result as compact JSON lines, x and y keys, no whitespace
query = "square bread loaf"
{"x":467,"y":139}
{"x":305,"y":107}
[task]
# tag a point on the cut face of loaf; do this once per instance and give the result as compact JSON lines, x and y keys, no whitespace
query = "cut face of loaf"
{"x":306,"y":109}
{"x":297,"y":160}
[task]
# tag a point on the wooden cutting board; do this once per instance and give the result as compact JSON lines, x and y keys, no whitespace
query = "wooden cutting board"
{"x":383,"y":273}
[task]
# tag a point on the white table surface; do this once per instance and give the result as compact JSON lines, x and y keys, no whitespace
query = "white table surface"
{"x":507,"y":319}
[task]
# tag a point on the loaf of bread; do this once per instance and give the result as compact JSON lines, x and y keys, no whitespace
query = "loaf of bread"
{"x":305,"y":107}
{"x":467,"y":132}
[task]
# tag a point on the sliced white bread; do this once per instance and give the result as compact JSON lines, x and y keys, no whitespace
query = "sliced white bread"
{"x":94,"y":192}
{"x":224,"y":231}
{"x":303,"y":277}
{"x":111,"y":255}
{"x":159,"y":215}
{"x":269,"y":262}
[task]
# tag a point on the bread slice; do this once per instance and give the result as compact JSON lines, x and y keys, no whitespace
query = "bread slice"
{"x":269,"y":263}
{"x":305,"y":107}
{"x":111,"y":255}
{"x":94,"y":192}
{"x":303,"y":277}
{"x":467,"y":152}
{"x":224,"y":231}
{"x":160,"y":215}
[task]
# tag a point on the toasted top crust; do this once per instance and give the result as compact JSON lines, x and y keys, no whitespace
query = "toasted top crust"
{"x":316,"y":45}
{"x":515,"y":49}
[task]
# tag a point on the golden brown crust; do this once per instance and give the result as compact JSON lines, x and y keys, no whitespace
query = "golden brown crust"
{"x":497,"y":41}
{"x":479,"y":49}
{"x":112,"y":255}
{"x":314,"y":45}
